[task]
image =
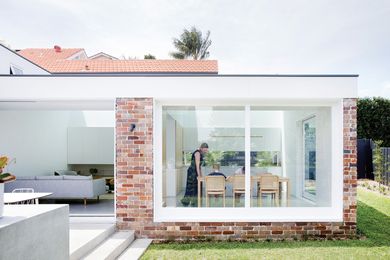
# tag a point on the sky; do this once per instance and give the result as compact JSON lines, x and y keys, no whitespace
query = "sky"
{"x":248,"y":37}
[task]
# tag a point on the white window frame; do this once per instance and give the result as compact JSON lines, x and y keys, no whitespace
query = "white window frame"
{"x":333,"y":213}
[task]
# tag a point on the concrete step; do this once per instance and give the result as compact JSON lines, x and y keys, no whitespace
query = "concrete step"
{"x":93,"y":219}
{"x":135,"y":250}
{"x":84,"y":237}
{"x":112,"y":247}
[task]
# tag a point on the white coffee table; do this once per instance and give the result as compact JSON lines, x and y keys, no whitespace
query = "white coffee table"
{"x":10,"y":198}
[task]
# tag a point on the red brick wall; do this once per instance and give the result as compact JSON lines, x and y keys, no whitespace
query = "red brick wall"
{"x":350,"y":162}
{"x":134,"y":187}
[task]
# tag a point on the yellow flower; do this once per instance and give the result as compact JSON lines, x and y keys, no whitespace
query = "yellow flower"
{"x":3,"y":161}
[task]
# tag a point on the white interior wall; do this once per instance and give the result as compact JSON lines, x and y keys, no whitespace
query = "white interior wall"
{"x":38,"y":139}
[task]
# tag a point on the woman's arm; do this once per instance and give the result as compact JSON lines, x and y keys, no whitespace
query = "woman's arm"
{"x":197,"y":164}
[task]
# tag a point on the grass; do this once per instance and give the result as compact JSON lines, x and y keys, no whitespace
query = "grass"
{"x":376,"y":201}
{"x":373,"y":222}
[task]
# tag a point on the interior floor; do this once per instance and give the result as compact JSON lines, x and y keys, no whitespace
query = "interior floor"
{"x":105,"y":205}
{"x":293,"y":201}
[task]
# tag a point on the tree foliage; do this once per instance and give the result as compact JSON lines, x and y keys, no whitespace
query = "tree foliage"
{"x":378,"y":161}
{"x":149,"y":57}
{"x":373,"y":119}
{"x":213,"y":157}
{"x":192,"y":44}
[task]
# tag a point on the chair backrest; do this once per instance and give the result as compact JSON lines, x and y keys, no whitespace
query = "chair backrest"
{"x":215,"y":183}
{"x":23,"y":190}
{"x":238,"y":182}
{"x":269,"y":182}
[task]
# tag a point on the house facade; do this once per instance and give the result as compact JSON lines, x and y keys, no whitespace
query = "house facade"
{"x":300,"y":129}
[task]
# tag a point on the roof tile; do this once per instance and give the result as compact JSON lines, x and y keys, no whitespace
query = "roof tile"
{"x":57,"y":62}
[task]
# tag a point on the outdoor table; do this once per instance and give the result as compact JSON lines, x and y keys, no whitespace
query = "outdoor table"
{"x":10,"y":198}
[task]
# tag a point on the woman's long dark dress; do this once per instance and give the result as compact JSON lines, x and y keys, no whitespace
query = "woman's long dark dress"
{"x":191,"y":194}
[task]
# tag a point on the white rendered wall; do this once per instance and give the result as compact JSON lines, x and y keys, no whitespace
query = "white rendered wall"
{"x":38,"y":139}
{"x":180,"y":90}
{"x":8,"y":58}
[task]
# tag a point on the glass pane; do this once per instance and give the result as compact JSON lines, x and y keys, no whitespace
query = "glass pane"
{"x":290,"y":156}
{"x":219,"y":166}
{"x":309,"y":150}
{"x":266,"y":156}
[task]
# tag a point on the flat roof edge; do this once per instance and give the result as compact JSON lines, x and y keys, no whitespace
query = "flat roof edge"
{"x":195,"y":74}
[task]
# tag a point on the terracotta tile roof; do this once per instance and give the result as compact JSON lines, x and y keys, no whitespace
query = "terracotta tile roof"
{"x":133,"y":66}
{"x":42,"y":56}
{"x":59,"y":62}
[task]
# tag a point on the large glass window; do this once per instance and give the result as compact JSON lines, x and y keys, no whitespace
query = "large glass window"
{"x":205,"y":148}
{"x":203,"y":156}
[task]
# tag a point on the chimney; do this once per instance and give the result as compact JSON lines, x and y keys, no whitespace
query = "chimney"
{"x":57,"y":48}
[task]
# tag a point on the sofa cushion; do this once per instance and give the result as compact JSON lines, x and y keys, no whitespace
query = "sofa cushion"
{"x":49,"y":178}
{"x":25,"y":177}
{"x":69,"y":177}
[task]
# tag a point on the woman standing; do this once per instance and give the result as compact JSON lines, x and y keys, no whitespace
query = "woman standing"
{"x":193,"y":172}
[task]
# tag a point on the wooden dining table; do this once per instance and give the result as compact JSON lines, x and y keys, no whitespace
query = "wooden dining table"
{"x":15,"y":197}
{"x":253,"y":178}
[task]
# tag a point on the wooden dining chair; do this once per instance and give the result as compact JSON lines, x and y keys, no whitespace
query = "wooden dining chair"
{"x":238,"y":182}
{"x":215,"y":185}
{"x":269,"y":184}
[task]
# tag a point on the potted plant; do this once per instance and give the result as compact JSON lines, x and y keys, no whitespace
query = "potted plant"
{"x":4,"y":177}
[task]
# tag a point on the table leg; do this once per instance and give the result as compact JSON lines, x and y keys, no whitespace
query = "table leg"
{"x":280,"y":190}
{"x":288,"y":193}
{"x":199,"y":195}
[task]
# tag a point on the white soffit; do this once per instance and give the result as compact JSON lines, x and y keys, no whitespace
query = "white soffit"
{"x":68,"y":105}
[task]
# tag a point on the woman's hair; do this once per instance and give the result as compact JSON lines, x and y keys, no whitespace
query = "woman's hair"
{"x":204,"y":145}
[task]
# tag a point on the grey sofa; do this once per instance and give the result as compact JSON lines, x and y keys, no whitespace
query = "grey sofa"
{"x":62,"y":187}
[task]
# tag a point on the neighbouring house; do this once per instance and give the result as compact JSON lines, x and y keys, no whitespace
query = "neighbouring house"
{"x":102,"y":56}
{"x":294,"y":134}
{"x":59,"y":60}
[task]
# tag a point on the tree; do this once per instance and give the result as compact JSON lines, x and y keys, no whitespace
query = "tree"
{"x":192,"y":45}
{"x":123,"y":57}
{"x":149,"y":57}
{"x":373,"y":119}
{"x":378,"y":162}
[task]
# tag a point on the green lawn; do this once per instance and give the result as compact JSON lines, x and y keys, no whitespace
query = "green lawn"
{"x":373,"y":222}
